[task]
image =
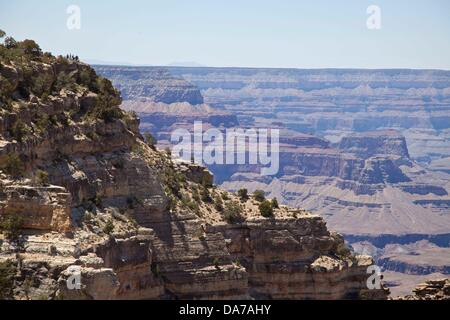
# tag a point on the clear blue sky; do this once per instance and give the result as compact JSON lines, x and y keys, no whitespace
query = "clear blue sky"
{"x":253,"y":33}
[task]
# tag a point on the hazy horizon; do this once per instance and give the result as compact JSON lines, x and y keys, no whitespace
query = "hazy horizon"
{"x":286,"y":34}
{"x":95,"y":62}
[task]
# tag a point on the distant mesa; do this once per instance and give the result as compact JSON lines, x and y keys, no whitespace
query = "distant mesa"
{"x":373,"y":143}
{"x":153,"y":84}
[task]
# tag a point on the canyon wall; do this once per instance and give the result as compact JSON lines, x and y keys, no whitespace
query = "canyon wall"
{"x":366,"y":149}
{"x":89,"y":210}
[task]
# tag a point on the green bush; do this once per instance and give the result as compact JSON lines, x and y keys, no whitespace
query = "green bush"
{"x":173,"y":181}
{"x":205,"y":196}
{"x":108,"y":101}
{"x":259,"y":195}
{"x":42,"y":122}
{"x":243,"y":194}
{"x":10,"y":43}
{"x":87,"y":78}
{"x":218,"y":203}
{"x":98,"y":200}
{"x":109,"y":226}
{"x":232,"y":212}
{"x":150,"y":140}
{"x":7,"y":273}
{"x":41,"y":85}
{"x":13,"y":166}
{"x":275,"y":204}
{"x":42,"y":177}
{"x":195,"y":195}
{"x":19,"y":131}
{"x":64,"y":81}
{"x":265,"y":208}
{"x":6,"y":89}
{"x":11,"y":226}
{"x":30,"y":47}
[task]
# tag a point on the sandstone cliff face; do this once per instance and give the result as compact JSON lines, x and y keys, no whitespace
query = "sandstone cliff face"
{"x":83,"y":197}
{"x":296,"y":259}
{"x":430,"y":290}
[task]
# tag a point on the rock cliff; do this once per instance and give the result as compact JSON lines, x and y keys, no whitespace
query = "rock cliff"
{"x":430,"y":290}
{"x":88,"y":210}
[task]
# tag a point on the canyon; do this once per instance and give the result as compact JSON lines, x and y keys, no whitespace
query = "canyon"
{"x":91,"y":209}
{"x":366,"y":149}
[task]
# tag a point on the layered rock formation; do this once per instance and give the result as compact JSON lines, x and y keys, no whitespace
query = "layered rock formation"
{"x":334,"y":102}
{"x":378,"y":143}
{"x":366,"y":149}
{"x":164,"y":102}
{"x":430,"y":290}
{"x":154,"y":84}
{"x":90,"y":211}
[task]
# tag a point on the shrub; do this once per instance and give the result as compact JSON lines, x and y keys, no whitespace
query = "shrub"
{"x":193,"y":206}
{"x":275,"y":204}
{"x":150,"y":140}
{"x":259,"y":195}
{"x":41,"y":85}
{"x":11,"y":226}
{"x":108,"y":101}
{"x":19,"y":130}
{"x":205,"y":196}
{"x":5,"y":91}
{"x":42,"y":177}
{"x":109,"y":226}
{"x":10,"y":43}
{"x":265,"y":208}
{"x":98,"y":199}
{"x":232,"y":212}
{"x":7,"y":273}
{"x":218,"y":203}
{"x":216,"y":263}
{"x":243,"y":194}
{"x":195,"y":195}
{"x":87,"y":78}
{"x":42,"y":122}
{"x":13,"y":166}
{"x":30,"y":47}
{"x":64,"y":81}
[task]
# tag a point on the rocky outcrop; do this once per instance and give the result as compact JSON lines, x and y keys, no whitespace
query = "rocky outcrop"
{"x":430,"y":290}
{"x":297,"y":259}
{"x":41,"y":208}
